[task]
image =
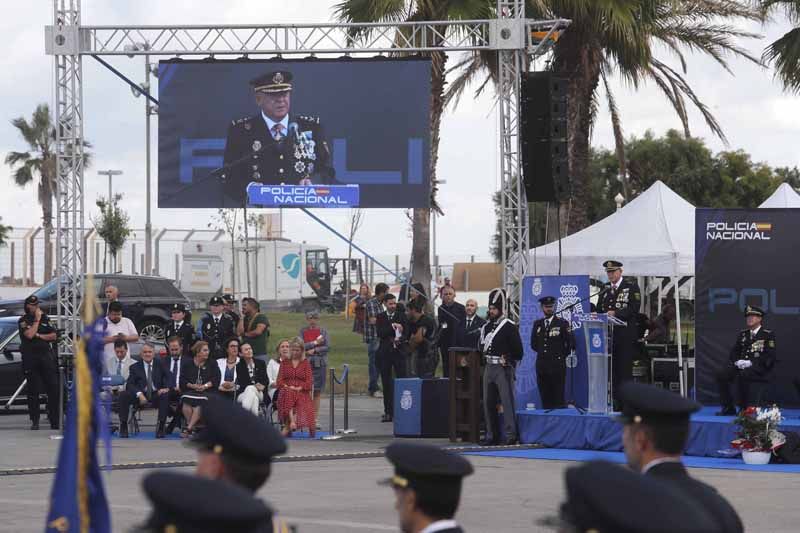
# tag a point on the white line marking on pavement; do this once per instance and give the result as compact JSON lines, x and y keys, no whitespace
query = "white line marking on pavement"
{"x":320,"y":522}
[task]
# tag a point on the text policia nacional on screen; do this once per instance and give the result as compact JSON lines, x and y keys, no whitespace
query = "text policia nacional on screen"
{"x":738,"y":231}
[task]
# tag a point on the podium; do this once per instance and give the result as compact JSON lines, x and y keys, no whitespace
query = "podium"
{"x":598,"y":332}
{"x":465,"y":394}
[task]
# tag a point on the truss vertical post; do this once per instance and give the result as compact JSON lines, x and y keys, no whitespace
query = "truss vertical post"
{"x":514,"y":205}
{"x":69,"y":169}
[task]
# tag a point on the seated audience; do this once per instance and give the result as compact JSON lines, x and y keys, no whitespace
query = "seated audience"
{"x":172,"y":364}
{"x":284,"y":352}
{"x":198,"y":378}
{"x":227,"y":368}
{"x":295,"y":381}
{"x":148,"y":383}
{"x":119,"y":364}
{"x":251,"y":379}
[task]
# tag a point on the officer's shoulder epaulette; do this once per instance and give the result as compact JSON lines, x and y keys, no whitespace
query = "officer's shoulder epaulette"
{"x":767,"y":331}
{"x":241,"y":121}
{"x":745,"y":330}
{"x":308,"y":118}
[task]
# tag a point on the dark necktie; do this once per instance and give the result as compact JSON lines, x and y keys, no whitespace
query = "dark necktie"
{"x":149,"y":379}
{"x":175,"y":369}
{"x":469,"y":322}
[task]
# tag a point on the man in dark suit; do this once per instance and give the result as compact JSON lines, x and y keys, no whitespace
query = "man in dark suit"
{"x":148,"y":383}
{"x":621,"y":299}
{"x":273,"y":147}
{"x":552,"y":340}
{"x":427,"y":486}
{"x":452,"y":318}
{"x":472,"y":324}
{"x":390,"y":327}
{"x":750,"y":364}
{"x":180,"y":327}
{"x":172,"y":365}
{"x":656,"y":428}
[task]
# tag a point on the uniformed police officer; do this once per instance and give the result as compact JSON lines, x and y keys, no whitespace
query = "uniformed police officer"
{"x":36,"y":333}
{"x":185,"y":504}
{"x":273,"y":146}
{"x":621,"y":299}
{"x":216,"y":327}
{"x":501,"y":346}
{"x":656,"y":428}
{"x":427,"y":484}
{"x":230,"y":309}
{"x":750,"y":362}
{"x":180,"y":327}
{"x":553,"y":341}
{"x":607,"y":498}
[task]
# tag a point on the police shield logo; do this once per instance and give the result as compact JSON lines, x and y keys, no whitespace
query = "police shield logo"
{"x":572,"y":360}
{"x":596,"y":340}
{"x":406,"y":400}
{"x":569,"y":297}
{"x":537,"y":286}
{"x":256,"y":145}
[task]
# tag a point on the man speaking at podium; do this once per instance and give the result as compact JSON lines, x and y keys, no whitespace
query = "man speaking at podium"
{"x":621,"y":299}
{"x":273,"y":146}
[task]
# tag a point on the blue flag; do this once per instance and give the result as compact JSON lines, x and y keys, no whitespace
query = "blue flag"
{"x":78,"y":501}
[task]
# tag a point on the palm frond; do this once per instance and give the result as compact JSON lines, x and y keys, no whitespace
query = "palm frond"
{"x":616,"y":126}
{"x":17,"y":157}
{"x":715,"y":40}
{"x":784,"y":53}
{"x":23,"y":176}
{"x":351,"y":11}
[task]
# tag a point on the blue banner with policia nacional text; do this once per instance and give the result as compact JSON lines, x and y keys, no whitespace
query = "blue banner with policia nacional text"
{"x":746,"y":257}
{"x":303,"y":195}
{"x":568,"y":291}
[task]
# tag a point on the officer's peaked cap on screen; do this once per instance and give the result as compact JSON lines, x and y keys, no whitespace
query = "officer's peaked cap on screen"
{"x":273,"y":82}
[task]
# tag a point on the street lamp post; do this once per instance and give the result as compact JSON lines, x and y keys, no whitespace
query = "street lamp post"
{"x":433,"y":228}
{"x":110,"y":174}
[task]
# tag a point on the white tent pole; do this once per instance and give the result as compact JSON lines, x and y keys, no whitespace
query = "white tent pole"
{"x":678,"y":335}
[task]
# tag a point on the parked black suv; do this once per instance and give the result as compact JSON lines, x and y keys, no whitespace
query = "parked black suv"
{"x":146,"y":300}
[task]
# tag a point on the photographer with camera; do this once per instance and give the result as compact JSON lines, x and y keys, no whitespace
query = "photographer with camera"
{"x":38,"y":363}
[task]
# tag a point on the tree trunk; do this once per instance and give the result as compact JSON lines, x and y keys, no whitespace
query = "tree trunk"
{"x":421,"y":241}
{"x":581,"y":62}
{"x":47,"y":224}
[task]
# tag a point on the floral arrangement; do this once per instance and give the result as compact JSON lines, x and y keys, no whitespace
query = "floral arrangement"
{"x":758,"y":429}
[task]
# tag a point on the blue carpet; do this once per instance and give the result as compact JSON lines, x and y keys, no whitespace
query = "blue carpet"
{"x":568,"y":429}
{"x":619,"y":457}
{"x":303,"y":435}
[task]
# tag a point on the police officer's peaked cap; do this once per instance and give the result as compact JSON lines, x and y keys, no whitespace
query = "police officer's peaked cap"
{"x":604,"y":497}
{"x":497,"y":298}
{"x":752,"y":310}
{"x":235,"y":432}
{"x":32,"y":300}
{"x":547,"y":300}
{"x":648,"y":404}
{"x":612,"y":265}
{"x":215,"y":300}
{"x":425,"y":468}
{"x":229,"y":298}
{"x":189,"y":504}
{"x":179,"y":307}
{"x":273,"y":82}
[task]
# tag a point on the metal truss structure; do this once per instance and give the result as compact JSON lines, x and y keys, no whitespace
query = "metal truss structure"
{"x":515,"y":38}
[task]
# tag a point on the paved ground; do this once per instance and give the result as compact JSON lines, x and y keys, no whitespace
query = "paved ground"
{"x":504,"y":495}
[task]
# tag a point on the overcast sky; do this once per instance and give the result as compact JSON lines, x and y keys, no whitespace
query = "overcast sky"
{"x":754,"y":112}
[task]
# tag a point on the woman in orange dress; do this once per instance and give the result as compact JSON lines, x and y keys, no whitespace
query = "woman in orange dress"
{"x":295,"y":381}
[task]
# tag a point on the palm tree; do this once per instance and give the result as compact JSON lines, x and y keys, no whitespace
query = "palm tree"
{"x":419,"y":11}
{"x":4,"y":232}
{"x":785,"y":52}
{"x":608,"y":37}
{"x":39,"y":163}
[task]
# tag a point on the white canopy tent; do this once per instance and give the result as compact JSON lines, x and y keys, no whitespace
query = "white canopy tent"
{"x":652,"y":236}
{"x":784,"y":196}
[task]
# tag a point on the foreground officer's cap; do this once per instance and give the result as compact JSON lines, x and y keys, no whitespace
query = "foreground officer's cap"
{"x":235,"y":432}
{"x":426,"y":469}
{"x":32,"y":300}
{"x":216,"y":300}
{"x":752,"y":310}
{"x":273,"y":82}
{"x":606,"y":498}
{"x":547,"y":300}
{"x":612,"y":265}
{"x":179,"y":307}
{"x":648,"y":404}
{"x":189,"y":504}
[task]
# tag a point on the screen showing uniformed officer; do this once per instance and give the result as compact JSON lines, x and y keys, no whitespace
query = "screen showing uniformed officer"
{"x":274,"y":146}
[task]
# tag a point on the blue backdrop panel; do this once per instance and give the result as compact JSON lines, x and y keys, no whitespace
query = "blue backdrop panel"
{"x":567,"y":429}
{"x":567,"y":290}
{"x":407,"y":407}
{"x":746,"y":257}
{"x":374,"y":113}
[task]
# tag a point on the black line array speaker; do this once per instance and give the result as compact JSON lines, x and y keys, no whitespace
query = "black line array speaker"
{"x":543,"y":121}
